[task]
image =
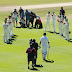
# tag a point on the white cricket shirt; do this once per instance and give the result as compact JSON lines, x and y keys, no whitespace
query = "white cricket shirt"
{"x":44,"y":40}
{"x":48,"y":16}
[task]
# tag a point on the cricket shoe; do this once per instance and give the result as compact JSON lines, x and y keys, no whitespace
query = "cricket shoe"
{"x":68,"y":40}
{"x":44,"y":59}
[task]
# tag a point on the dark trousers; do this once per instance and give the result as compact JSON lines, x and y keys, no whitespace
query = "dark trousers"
{"x":27,"y":23}
{"x":31,"y":22}
{"x":35,"y":59}
{"x":36,"y":24}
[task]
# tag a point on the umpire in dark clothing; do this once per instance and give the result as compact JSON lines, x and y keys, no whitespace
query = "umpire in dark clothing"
{"x":35,"y":45}
{"x":31,"y":54}
{"x":32,"y":16}
{"x":62,"y":11}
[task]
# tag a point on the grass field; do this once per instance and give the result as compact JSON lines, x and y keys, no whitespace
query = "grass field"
{"x":13,"y":58}
{"x":29,"y":2}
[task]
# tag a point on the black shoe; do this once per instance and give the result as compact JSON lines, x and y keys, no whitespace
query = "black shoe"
{"x":28,"y":67}
{"x":62,"y":35}
{"x":9,"y":43}
{"x":44,"y":59}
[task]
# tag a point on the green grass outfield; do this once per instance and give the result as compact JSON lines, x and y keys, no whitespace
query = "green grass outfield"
{"x":29,"y":2}
{"x":13,"y":58}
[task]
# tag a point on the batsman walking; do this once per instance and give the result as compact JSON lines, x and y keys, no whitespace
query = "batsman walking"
{"x":44,"y":40}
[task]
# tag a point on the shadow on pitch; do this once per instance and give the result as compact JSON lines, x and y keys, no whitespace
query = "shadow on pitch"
{"x":70,"y":40}
{"x":38,"y":65}
{"x":50,"y":61}
{"x":14,"y":38}
{"x":51,"y":32}
{"x":57,"y":32}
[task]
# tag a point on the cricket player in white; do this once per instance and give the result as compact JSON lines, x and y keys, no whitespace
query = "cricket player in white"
{"x":67,"y":30}
{"x":5,"y":27}
{"x":44,"y":41}
{"x":58,"y":23}
{"x":64,"y":26}
{"x":48,"y":22}
{"x":9,"y":20}
{"x":12,"y":17}
{"x":60,"y":26}
{"x":54,"y":22}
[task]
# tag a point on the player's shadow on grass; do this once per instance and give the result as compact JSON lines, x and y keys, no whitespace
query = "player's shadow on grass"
{"x":50,"y":61}
{"x":18,"y":27}
{"x":38,"y":66}
{"x":70,"y":40}
{"x":57,"y":32}
{"x":34,"y":69}
{"x":51,"y":32}
{"x":14,"y":38}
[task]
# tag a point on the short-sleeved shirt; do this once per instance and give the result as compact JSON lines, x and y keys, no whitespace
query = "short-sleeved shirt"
{"x":44,"y":40}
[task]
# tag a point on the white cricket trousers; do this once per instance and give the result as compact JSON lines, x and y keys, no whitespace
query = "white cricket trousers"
{"x":60,"y":29}
{"x":44,"y":51}
{"x":12,"y":29}
{"x":64,"y":28}
{"x":48,"y":22}
{"x":67,"y":34}
{"x":5,"y":37}
{"x":54,"y":25}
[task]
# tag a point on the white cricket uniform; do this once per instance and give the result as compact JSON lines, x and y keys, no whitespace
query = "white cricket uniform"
{"x":64,"y":27}
{"x":67,"y":31}
{"x":60,"y":24}
{"x":62,"y":18}
{"x":54,"y":22}
{"x":12,"y":24}
{"x":9,"y":27}
{"x":48,"y":21}
{"x":44,"y":41}
{"x":6,"y":32}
